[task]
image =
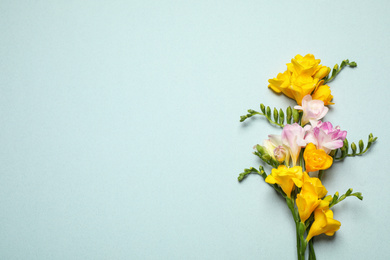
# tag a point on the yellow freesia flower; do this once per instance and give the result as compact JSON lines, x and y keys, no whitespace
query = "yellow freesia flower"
{"x":302,"y":85}
{"x":282,"y":83}
{"x":304,"y":65}
{"x":286,"y":178}
{"x":323,"y":223}
{"x":294,"y":86}
{"x":307,"y":201}
{"x":323,"y":93}
{"x":301,"y":78}
{"x":309,"y":197}
{"x":316,"y":159}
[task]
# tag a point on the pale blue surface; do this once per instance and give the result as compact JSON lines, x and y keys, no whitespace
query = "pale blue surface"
{"x":120,"y":134}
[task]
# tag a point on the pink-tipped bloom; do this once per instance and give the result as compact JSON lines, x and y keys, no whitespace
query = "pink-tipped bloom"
{"x":325,"y":137}
{"x":313,"y":110}
{"x":293,"y":136}
{"x":280,"y":152}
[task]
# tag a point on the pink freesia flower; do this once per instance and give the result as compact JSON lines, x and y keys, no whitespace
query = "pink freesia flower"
{"x":325,"y":137}
{"x":293,"y":136}
{"x":313,"y":110}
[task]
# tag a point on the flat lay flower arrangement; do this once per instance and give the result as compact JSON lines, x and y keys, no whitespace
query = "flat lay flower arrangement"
{"x":306,"y":147}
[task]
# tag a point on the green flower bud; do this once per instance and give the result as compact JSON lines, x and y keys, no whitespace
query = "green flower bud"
{"x":260,"y":149}
{"x":345,"y":143}
{"x":269,"y":112}
{"x":276,"y":117}
{"x":352,"y":64}
{"x":353,"y":147}
{"x":262,"y":107}
{"x":289,"y":114}
{"x":349,"y":191}
{"x":295,"y":114}
{"x":361,"y":146}
{"x":281,"y":116}
{"x":358,"y":195}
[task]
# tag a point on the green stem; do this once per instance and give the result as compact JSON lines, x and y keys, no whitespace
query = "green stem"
{"x":312,"y":254}
{"x":301,"y":245}
{"x":334,"y":76}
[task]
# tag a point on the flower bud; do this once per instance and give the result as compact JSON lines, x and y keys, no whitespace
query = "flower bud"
{"x":352,"y":64}
{"x":260,"y":149}
{"x":295,"y":115}
{"x":276,"y":115}
{"x":269,"y":112}
{"x":345,"y":143}
{"x":361,"y":146}
{"x":289,"y":114}
{"x":262,"y":107}
{"x":322,"y":72}
{"x":281,"y":116}
{"x":280,"y":153}
{"x":353,"y":147}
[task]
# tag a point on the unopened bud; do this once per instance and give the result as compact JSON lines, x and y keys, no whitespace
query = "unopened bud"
{"x":259,"y":148}
{"x":352,"y":64}
{"x":322,"y":73}
{"x":281,"y":116}
{"x":353,"y":147}
{"x":289,"y":114}
{"x":262,"y":107}
{"x":276,"y":117}
{"x":295,"y":114}
{"x":268,"y":111}
{"x":361,"y":146}
{"x":280,"y":153}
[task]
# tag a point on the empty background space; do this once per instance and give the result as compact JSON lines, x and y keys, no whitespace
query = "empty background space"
{"x":120,"y":135}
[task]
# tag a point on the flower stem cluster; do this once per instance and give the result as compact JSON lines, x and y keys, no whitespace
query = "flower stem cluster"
{"x":305,"y":148}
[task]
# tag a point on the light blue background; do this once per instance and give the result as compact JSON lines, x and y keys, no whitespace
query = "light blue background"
{"x":120,"y":134}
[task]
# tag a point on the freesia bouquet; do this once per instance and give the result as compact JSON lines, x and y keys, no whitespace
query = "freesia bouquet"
{"x":306,"y":147}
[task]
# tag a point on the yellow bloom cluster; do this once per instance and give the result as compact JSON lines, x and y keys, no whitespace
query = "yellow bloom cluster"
{"x":303,"y":76}
{"x":309,"y":199}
